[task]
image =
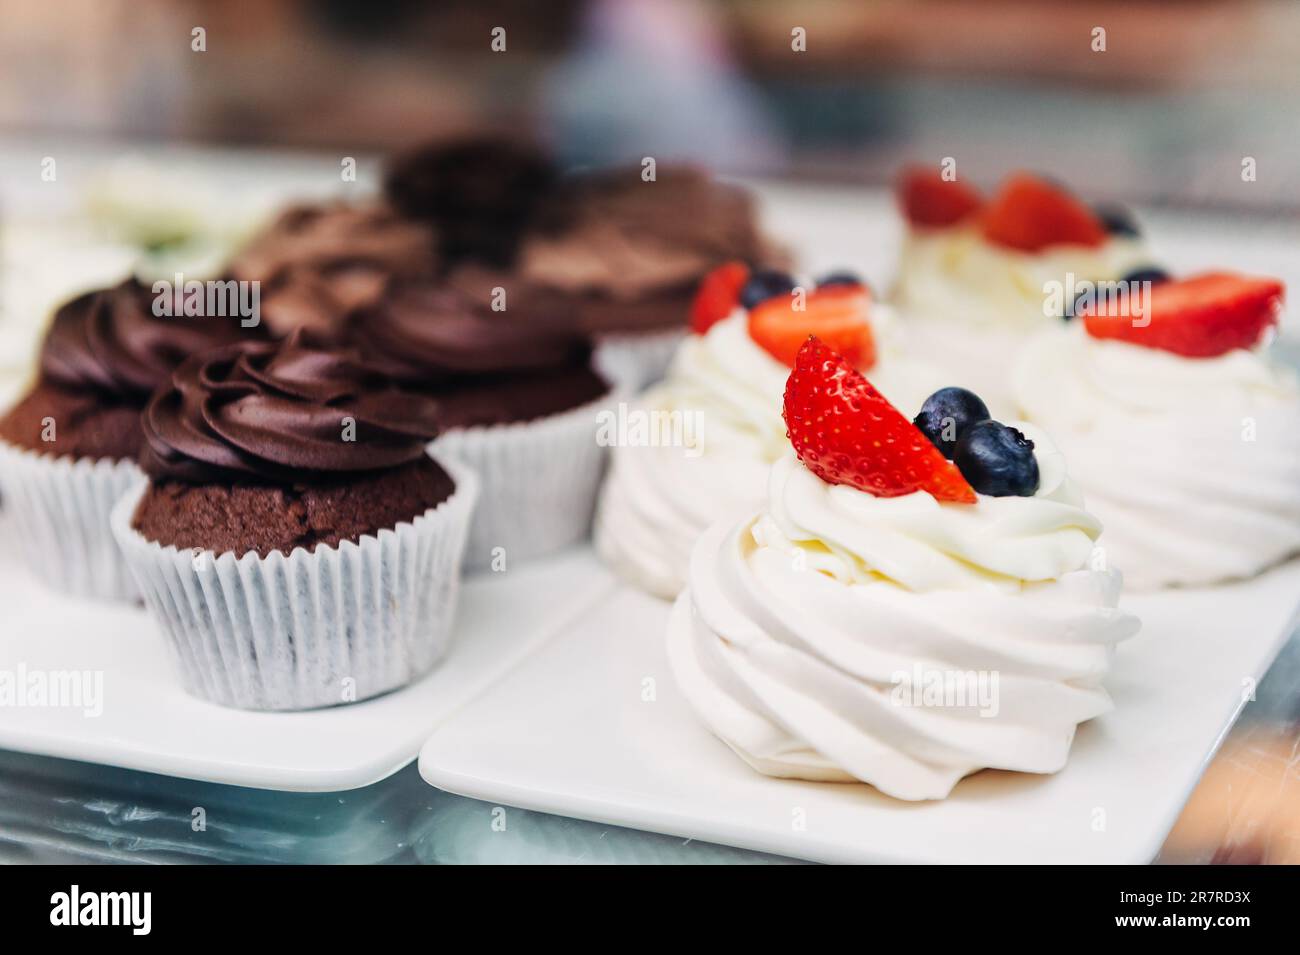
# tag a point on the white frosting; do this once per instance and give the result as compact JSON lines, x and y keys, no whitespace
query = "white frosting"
{"x":970,"y":304}
{"x":733,"y":382}
{"x":658,"y":499}
{"x":804,"y":631}
{"x":1192,"y":463}
{"x":917,"y":543}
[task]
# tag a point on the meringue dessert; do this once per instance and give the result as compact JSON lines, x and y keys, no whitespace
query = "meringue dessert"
{"x":1179,"y":426}
{"x":713,"y":426}
{"x":976,"y":276}
{"x":892,"y":616}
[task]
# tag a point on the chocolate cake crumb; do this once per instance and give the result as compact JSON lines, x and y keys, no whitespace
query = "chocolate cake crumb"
{"x":266,"y":518}
{"x":84,"y":424}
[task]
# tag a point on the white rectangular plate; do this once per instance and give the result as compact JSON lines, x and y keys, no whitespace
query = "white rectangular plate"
{"x":148,"y":723}
{"x":592,"y":725}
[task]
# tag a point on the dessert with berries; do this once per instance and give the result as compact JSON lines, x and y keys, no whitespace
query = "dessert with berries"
{"x":1179,"y":425}
{"x":979,"y":273}
{"x":713,"y":426}
{"x":913,"y":602}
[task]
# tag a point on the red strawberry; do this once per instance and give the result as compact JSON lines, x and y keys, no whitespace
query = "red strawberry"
{"x":1030,"y":214}
{"x":718,"y":295}
{"x":930,"y":201}
{"x":1197,"y":317}
{"x":837,"y":314}
{"x":845,"y":432}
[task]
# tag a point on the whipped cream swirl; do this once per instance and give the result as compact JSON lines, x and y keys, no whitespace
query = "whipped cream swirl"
{"x":657,"y":499}
{"x":1192,"y":463}
{"x":803,"y":629}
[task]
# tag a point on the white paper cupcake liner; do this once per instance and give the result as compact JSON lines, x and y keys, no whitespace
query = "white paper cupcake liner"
{"x":635,"y":360}
{"x":59,"y":508}
{"x":320,"y":628}
{"x":538,"y":482}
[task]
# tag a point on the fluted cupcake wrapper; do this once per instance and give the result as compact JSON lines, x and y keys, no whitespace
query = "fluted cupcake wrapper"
{"x":59,"y":508}
{"x":538,"y":482}
{"x":334,"y":625}
{"x":635,"y":360}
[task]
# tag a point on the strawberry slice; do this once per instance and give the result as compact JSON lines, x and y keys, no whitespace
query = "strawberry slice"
{"x":1197,"y":317}
{"x":845,"y":432}
{"x":718,"y":295}
{"x":1030,"y":214}
{"x":837,"y":314}
{"x":930,"y":201}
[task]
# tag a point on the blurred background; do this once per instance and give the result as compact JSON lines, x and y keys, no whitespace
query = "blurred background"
{"x":1181,"y":92}
{"x":1152,"y":102}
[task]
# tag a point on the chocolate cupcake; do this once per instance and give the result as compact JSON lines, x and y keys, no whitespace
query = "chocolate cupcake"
{"x":622,"y":255}
{"x":295,"y":540}
{"x":519,"y":401}
{"x":68,"y":447}
{"x":629,"y":255}
{"x":316,"y":263}
{"x":481,"y":195}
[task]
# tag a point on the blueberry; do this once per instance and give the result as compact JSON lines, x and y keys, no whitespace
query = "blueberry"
{"x":840,"y":277}
{"x":948,"y":414}
{"x":997,"y":460}
{"x":1151,"y":273}
{"x":1117,"y":219}
{"x":764,"y":284}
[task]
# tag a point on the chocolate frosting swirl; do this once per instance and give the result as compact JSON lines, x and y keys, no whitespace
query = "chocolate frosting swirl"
{"x":275,"y":413}
{"x":614,"y":235}
{"x":319,"y":262}
{"x":433,"y":335}
{"x":109,"y":341}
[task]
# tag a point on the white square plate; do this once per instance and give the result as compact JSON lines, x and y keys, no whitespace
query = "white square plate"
{"x":148,"y":723}
{"x":592,"y":725}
